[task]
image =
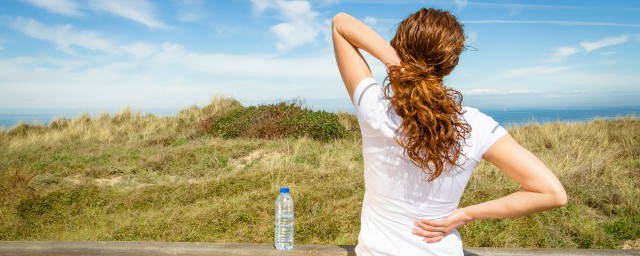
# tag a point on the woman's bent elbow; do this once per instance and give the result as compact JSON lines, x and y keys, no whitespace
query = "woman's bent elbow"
{"x":337,"y":17}
{"x":560,"y":198}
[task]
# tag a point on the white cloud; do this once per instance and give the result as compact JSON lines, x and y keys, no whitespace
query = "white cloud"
{"x":609,"y":41}
{"x":291,"y":35}
{"x":460,"y":3}
{"x":191,"y":10}
{"x":64,"y":7}
{"x":532,"y":71}
{"x":328,"y":2}
{"x":472,"y":37}
{"x":248,"y":66}
{"x":141,"y":11}
{"x":163,"y":75}
{"x":299,"y":26}
{"x":63,"y":36}
{"x":607,"y":62}
{"x":553,"y":22}
{"x":259,"y":6}
{"x":140,"y":49}
{"x":602,"y":81}
{"x":549,"y":79}
{"x":228,"y":30}
{"x":370,"y":21}
{"x":562,"y":53}
{"x":489,"y":91}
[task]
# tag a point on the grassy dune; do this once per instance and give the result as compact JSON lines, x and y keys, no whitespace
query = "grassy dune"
{"x":142,"y":177}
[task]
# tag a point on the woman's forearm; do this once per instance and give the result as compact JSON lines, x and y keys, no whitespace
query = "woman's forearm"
{"x":519,"y":203}
{"x":363,"y":37}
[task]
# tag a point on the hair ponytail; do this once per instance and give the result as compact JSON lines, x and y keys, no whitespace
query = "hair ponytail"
{"x":432,"y":125}
{"x":428,"y":43}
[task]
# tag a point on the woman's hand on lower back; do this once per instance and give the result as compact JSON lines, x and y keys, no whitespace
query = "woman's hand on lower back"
{"x":434,"y":231}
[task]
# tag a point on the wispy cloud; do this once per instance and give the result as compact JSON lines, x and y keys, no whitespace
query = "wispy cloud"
{"x":535,"y":6}
{"x":141,"y":11}
{"x":553,"y":22}
{"x":508,"y":6}
{"x":460,"y":3}
{"x":191,"y":10}
{"x":561,"y":53}
{"x":532,"y":71}
{"x":590,"y":46}
{"x":491,"y":91}
{"x":140,"y":49}
{"x":64,"y":7}
{"x":259,"y":6}
{"x":63,"y":36}
{"x":327,"y":2}
{"x":472,"y":37}
{"x":549,"y":22}
{"x":299,"y":26}
{"x":551,"y":6}
{"x":161,"y":75}
{"x":370,"y":21}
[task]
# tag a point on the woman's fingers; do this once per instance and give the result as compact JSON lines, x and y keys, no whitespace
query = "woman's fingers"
{"x":433,"y":240}
{"x":424,"y":233}
{"x":432,"y":231}
{"x":434,"y":226}
{"x":439,"y":223}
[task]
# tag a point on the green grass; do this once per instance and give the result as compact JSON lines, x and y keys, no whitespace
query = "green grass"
{"x":142,"y":177}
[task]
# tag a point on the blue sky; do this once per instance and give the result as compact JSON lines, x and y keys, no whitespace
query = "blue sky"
{"x":174,"y":54}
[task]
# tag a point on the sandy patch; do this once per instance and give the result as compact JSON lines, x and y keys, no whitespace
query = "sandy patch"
{"x":258,"y":155}
{"x":631,"y":244}
{"x":75,"y":179}
{"x":108,"y":181}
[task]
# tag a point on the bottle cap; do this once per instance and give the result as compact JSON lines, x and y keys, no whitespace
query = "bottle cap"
{"x":284,"y":190}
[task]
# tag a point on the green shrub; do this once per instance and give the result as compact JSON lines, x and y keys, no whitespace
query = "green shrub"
{"x":276,"y":121}
{"x":625,"y":227}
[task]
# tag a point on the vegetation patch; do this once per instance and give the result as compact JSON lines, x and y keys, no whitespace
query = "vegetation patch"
{"x":211,"y":174}
{"x":277,"y":121}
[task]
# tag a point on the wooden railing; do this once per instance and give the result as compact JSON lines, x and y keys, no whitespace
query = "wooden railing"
{"x":73,"y":248}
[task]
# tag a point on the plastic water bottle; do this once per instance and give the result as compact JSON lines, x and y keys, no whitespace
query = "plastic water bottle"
{"x":284,"y":220}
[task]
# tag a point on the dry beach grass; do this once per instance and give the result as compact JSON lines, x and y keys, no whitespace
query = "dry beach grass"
{"x":143,"y":177}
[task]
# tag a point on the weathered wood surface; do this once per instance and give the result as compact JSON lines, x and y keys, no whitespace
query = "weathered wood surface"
{"x":108,"y":248}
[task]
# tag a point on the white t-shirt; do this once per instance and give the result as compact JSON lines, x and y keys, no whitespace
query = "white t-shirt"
{"x":396,"y":191}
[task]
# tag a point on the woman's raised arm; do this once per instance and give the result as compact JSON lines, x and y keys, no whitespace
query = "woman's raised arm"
{"x":349,"y":34}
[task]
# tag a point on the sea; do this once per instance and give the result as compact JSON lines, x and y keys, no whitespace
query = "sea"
{"x":504,"y":116}
{"x":510,"y":117}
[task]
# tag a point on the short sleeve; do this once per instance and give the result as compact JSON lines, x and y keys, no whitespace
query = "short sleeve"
{"x":368,"y":101}
{"x":366,"y":95}
{"x":487,"y":132}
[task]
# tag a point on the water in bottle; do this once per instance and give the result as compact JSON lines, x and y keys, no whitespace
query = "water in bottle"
{"x":284,"y":220}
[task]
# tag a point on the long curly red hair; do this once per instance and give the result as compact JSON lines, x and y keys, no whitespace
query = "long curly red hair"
{"x":428,"y":42}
